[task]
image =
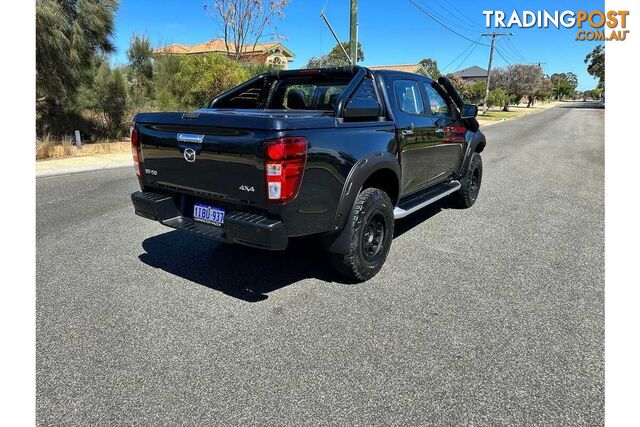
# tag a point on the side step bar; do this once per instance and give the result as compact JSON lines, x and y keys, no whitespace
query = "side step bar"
{"x":418,"y":203}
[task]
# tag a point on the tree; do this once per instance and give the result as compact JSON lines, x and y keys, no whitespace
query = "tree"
{"x":573,"y":80}
{"x":497,"y":98}
{"x":564,"y":84}
{"x":335,"y":58}
{"x":431,"y":66}
{"x":69,"y":34}
{"x":140,"y":73}
{"x":595,"y":63}
{"x":201,"y":77}
{"x":106,"y":96}
{"x":518,"y":80}
{"x":545,"y":89}
{"x":244,"y":21}
{"x":458,"y":83}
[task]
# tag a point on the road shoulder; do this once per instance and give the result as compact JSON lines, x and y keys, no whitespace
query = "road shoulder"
{"x":70,"y":165}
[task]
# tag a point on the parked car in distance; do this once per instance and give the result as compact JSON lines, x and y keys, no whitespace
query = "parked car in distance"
{"x":337,"y":153}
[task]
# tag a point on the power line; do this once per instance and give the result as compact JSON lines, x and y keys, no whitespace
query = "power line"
{"x":466,"y":57}
{"x":475,"y":24}
{"x":516,"y":51}
{"x":444,"y":25}
{"x":502,"y":56}
{"x":460,"y":54}
{"x":445,"y":19}
{"x":505,"y":52}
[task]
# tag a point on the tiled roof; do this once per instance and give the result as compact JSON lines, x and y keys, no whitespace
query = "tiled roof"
{"x":474,"y":71}
{"x":218,"y":45}
{"x":409,"y":68}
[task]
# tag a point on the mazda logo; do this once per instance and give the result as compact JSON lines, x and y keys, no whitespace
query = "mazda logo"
{"x":190,"y":155}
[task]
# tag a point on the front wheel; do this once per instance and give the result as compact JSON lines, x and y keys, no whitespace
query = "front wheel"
{"x":370,"y":231}
{"x":466,"y":196}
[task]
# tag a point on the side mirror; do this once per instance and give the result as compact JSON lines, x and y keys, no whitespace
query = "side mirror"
{"x":361,"y":107}
{"x":469,"y":111}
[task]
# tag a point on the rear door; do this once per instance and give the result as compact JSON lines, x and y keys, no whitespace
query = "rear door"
{"x":416,"y":133}
{"x":448,"y":151}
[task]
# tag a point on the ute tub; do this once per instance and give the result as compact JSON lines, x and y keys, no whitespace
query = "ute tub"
{"x":239,"y":227}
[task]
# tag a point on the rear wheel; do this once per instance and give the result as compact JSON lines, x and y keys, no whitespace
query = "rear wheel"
{"x":371,"y":232}
{"x":470,"y":184}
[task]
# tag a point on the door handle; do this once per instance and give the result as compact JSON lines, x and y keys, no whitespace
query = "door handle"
{"x":408,"y":131}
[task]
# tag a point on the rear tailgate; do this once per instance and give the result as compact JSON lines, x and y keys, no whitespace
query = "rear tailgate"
{"x":203,"y":156}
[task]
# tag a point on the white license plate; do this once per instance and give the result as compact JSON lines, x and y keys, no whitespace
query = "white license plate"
{"x":208,"y":214}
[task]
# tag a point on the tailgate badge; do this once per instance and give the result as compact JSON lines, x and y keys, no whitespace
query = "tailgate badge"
{"x":188,"y":137}
{"x":190,"y":155}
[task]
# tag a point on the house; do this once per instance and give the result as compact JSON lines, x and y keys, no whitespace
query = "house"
{"x":408,"y":68}
{"x":472,"y":74}
{"x":272,"y":53}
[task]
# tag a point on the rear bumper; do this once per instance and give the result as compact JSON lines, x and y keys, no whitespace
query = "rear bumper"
{"x":239,"y":227}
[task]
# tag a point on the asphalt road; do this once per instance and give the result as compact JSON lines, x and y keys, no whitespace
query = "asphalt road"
{"x":492,"y":315}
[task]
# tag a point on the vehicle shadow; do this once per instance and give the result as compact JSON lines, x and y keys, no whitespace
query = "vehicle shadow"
{"x":238,"y":271}
{"x":246,"y":273}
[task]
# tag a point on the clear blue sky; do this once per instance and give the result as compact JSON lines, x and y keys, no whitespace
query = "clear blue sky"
{"x":391,"y":32}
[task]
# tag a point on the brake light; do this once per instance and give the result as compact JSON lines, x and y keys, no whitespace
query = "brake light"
{"x":284,"y":166}
{"x":135,"y":150}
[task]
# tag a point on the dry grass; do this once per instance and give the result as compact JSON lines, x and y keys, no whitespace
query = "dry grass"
{"x":50,"y":148}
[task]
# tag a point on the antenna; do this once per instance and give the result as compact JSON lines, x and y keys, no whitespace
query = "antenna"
{"x":335,"y":36}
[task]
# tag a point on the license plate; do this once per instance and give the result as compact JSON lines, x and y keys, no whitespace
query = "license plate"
{"x":208,"y":214}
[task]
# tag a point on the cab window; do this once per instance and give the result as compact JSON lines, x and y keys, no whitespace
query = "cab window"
{"x":437,"y":103}
{"x":408,"y":96}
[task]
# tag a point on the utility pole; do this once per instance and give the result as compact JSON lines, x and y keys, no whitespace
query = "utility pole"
{"x":493,"y":42}
{"x":353,"y":33}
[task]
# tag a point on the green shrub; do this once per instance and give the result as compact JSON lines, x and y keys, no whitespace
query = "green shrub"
{"x":497,"y":98}
{"x":475,"y":92}
{"x":201,"y":77}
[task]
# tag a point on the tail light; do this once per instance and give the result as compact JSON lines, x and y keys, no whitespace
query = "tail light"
{"x":284,"y":166}
{"x":135,"y":149}
{"x":454,"y":134}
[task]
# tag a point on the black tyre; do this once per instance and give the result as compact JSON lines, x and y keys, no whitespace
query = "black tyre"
{"x":371,"y":232}
{"x":468,"y":193}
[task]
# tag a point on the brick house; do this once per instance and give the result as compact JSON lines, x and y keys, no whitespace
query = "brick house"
{"x":272,"y":53}
{"x":409,"y":68}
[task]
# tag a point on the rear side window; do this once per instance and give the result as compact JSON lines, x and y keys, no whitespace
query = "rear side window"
{"x":437,"y":104}
{"x":301,"y":95}
{"x":408,"y":96}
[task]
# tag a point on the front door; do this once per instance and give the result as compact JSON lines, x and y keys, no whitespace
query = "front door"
{"x":447,"y":155}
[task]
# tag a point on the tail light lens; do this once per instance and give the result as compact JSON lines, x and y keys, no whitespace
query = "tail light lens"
{"x":135,"y":150}
{"x":284,"y":166}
